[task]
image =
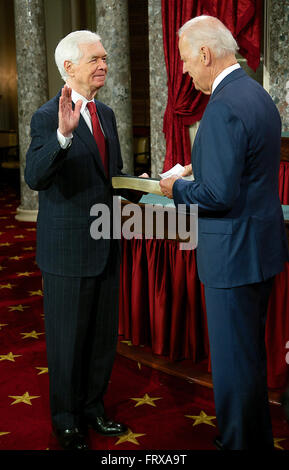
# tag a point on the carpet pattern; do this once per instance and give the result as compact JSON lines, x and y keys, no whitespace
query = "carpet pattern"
{"x":161,"y":411}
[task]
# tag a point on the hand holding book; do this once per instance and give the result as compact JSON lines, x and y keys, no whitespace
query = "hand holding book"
{"x":151,"y":185}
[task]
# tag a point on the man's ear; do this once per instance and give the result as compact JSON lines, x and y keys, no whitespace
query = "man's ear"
{"x":205,"y":55}
{"x":69,"y":68}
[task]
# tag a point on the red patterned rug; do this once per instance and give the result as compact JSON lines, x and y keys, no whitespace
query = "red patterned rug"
{"x":161,"y":411}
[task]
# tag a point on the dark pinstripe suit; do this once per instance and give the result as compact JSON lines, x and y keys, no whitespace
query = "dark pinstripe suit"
{"x":80,"y":274}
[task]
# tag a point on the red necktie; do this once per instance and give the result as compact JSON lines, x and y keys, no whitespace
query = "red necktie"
{"x":98,"y":134}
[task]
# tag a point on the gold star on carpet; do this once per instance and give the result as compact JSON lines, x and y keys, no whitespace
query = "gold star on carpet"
{"x":8,"y":205}
{"x":203,"y":418}
{"x":3,"y":217}
{"x":19,"y":236}
{"x":129,"y":343}
{"x":3,"y":324}
{"x":10,"y":226}
{"x":6,"y":286}
{"x":17,"y":308}
{"x":276,"y":443}
{"x":26,"y":273}
{"x":25,"y":398}
{"x":31,"y":229}
{"x":3,"y":433}
{"x":146,"y":400}
{"x":2,"y":267}
{"x":17,"y":258}
{"x":1,"y":233}
{"x":9,"y":357}
{"x":5,"y":244}
{"x":35,"y":292}
{"x":129,"y":437}
{"x":32,"y":334}
{"x":27,"y":248}
{"x":139,"y":365}
{"x":43,"y":370}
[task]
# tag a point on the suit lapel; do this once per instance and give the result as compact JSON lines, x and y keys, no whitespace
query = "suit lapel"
{"x":87,"y":138}
{"x":106,"y":131}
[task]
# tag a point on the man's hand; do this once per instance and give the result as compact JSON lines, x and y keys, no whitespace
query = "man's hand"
{"x":67,"y":117}
{"x":167,"y":186}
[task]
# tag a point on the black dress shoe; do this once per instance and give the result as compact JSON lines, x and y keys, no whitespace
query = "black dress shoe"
{"x":70,"y":439}
{"x":107,"y":427}
{"x":218,"y":443}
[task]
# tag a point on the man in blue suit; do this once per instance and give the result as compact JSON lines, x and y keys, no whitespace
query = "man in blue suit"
{"x":242,"y":241}
{"x":73,"y":154}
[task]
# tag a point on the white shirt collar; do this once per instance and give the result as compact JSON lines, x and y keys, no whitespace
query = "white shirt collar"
{"x":223,"y":74}
{"x":84,"y":111}
{"x":76,"y":96}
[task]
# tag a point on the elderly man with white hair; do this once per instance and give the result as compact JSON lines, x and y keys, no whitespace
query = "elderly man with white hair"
{"x":242,"y":241}
{"x":73,"y":154}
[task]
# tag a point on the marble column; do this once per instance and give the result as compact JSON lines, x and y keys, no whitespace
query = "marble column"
{"x":112,"y":26}
{"x":276,"y":57}
{"x":32,"y":86}
{"x":158,"y":86}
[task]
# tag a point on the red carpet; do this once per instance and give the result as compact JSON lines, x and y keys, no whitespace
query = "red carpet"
{"x":162,"y":411}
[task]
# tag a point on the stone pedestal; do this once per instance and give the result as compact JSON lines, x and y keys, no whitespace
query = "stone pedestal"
{"x":112,"y":26}
{"x":32,"y":86}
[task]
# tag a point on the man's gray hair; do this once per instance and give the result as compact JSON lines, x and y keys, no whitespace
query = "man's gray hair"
{"x":68,"y":48}
{"x":211,"y":32}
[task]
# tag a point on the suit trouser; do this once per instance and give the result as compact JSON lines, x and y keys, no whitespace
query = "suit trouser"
{"x":81,"y":322}
{"x":236,"y":324}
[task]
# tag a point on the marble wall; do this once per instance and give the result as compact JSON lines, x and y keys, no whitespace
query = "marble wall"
{"x":277,"y":57}
{"x":112,"y":26}
{"x":32,"y":83}
{"x":158,"y":86}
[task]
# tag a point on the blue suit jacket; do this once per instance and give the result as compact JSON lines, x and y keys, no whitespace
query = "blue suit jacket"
{"x":70,"y":182}
{"x":235,"y":159}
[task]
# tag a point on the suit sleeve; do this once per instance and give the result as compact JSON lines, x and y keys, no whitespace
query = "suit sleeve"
{"x":221,"y":148}
{"x":44,"y":156}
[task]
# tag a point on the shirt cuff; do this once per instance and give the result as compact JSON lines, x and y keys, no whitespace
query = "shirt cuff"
{"x":64,"y":142}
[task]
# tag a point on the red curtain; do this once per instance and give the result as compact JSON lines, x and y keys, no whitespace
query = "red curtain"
{"x":161,"y":299}
{"x":162,"y":305}
{"x":185,"y":105}
{"x":284,"y":182}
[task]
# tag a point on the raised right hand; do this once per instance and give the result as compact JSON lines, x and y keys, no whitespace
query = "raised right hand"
{"x":68,"y":118}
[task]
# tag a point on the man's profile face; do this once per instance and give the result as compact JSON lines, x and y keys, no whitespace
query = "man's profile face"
{"x":89,"y":74}
{"x":194,"y":66}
